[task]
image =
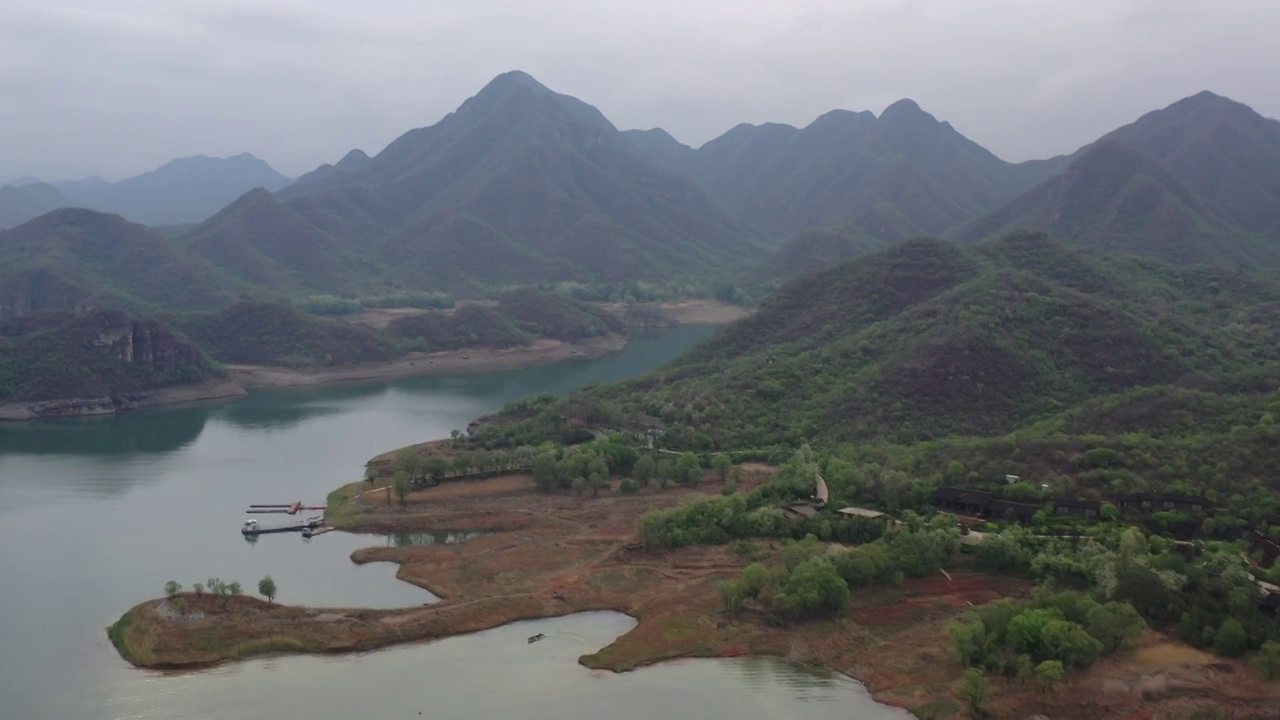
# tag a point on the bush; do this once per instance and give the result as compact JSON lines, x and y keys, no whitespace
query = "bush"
{"x":1231,"y":639}
{"x":628,"y":486}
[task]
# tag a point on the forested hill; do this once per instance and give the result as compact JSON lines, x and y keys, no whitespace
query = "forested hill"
{"x":928,"y":341}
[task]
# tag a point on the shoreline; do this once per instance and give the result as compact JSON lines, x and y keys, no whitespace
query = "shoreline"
{"x":541,"y":352}
{"x":242,"y":379}
{"x":551,"y":555}
{"x":213,"y":389}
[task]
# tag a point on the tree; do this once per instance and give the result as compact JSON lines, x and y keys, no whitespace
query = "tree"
{"x":435,"y":467}
{"x":814,"y":587}
{"x":688,"y":468}
{"x":975,"y":690}
{"x":1267,"y":661}
{"x":644,"y":469}
{"x":400,"y":485}
{"x":579,"y":484}
{"x":267,"y":588}
{"x":371,"y":473}
{"x":409,"y":461}
{"x":544,"y":471}
{"x":595,"y":482}
{"x":1049,"y":673}
{"x":666,"y":472}
{"x":1024,"y":668}
{"x":198,"y":588}
{"x":1231,"y":639}
{"x":722,"y":464}
{"x":1114,"y":623}
{"x":1068,"y":642}
{"x":172,"y":588}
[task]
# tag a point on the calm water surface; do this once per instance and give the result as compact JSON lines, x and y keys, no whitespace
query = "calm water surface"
{"x":95,"y":515}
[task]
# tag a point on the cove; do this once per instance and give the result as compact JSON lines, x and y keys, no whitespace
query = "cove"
{"x":96,"y":514}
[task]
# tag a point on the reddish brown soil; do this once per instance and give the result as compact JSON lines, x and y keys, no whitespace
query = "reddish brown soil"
{"x":551,"y":555}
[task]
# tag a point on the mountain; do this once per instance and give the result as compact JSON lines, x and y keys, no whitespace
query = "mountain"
{"x":927,"y":340}
{"x":72,"y":259}
{"x":185,"y":190}
{"x":900,"y":174}
{"x":20,"y":203}
{"x":271,"y":245}
{"x":1218,"y":149}
{"x":664,"y":151}
{"x":519,"y":185}
{"x":1196,"y":182}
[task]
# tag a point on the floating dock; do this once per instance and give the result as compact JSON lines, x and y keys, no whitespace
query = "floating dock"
{"x":252,"y":528}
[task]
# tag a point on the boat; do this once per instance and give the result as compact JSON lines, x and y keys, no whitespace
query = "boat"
{"x":535,"y":638}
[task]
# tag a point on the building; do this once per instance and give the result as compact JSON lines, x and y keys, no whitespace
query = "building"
{"x":1156,"y":502}
{"x":801,"y":511}
{"x":1003,"y":509}
{"x":972,"y":502}
{"x":1088,"y":509}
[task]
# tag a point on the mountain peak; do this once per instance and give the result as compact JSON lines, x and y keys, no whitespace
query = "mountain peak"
{"x":513,"y":80}
{"x":905,"y":109}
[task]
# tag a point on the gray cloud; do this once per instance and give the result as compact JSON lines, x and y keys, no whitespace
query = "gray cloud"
{"x":117,"y":88}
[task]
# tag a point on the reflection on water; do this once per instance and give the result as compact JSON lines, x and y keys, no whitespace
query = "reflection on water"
{"x":106,"y":437}
{"x":434,"y":538}
{"x":498,"y":674}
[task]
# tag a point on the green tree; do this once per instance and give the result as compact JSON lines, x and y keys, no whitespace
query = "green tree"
{"x":722,"y":465}
{"x":1114,"y":623}
{"x":595,"y":482}
{"x":1026,"y":630}
{"x":1267,"y":661}
{"x":666,"y":472}
{"x":198,"y":589}
{"x":974,"y":690}
{"x":172,"y":588}
{"x":408,"y":461}
{"x":755,"y":578}
{"x":435,"y":467}
{"x":228,"y":591}
{"x":1070,"y":643}
{"x":371,"y":473}
{"x":267,"y":588}
{"x":579,"y":485}
{"x":814,"y":587}
{"x":1049,"y":673}
{"x":401,"y":485}
{"x":628,"y":486}
{"x":644,"y":469}
{"x":545,"y":471}
{"x":1024,"y":668}
{"x":1231,"y":639}
{"x":688,"y":468}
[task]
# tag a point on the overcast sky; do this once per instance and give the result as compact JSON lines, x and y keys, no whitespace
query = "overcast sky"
{"x":116,"y":88}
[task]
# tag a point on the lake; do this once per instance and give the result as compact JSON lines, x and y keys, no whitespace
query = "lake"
{"x":96,"y":514}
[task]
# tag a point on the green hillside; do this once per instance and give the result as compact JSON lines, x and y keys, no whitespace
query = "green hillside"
{"x":930,"y":352}
{"x":274,"y":334}
{"x":814,"y":250}
{"x":71,"y":258}
{"x":519,"y":318}
{"x":1196,"y":182}
{"x":92,"y":355}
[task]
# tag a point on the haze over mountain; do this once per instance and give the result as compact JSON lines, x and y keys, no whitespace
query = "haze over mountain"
{"x":1198,"y":181}
{"x":186,"y":190}
{"x":72,"y":259}
{"x":900,"y":174}
{"x":524,"y":185}
{"x":519,"y":185}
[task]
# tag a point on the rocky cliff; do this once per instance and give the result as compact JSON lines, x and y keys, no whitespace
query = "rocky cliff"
{"x":98,"y":362}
